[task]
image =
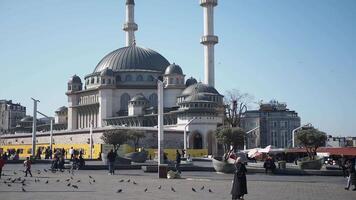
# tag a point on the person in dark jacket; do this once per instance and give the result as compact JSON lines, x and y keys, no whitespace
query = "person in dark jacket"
{"x":239,"y":184}
{"x":178,"y":159}
{"x":111,"y":161}
{"x":351,"y":179}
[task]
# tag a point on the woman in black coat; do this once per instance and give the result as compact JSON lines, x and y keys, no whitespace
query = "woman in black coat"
{"x":239,"y":184}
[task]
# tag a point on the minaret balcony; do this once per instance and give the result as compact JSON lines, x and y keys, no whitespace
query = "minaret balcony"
{"x":209,"y":39}
{"x":130,"y":27}
{"x":208,"y":2}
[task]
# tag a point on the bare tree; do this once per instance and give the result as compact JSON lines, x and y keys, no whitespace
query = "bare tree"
{"x":236,"y":103}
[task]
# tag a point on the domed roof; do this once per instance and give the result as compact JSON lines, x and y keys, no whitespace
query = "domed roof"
{"x":107,"y":72}
{"x":199,"y":88}
{"x":198,"y":97}
{"x":61,"y":109}
{"x":75,"y":79}
{"x":139,"y":97}
{"x":190,"y":81}
{"x":133,"y":58}
{"x":173,"y":69}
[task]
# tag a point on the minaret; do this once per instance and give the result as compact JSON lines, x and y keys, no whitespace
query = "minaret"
{"x":130,"y":26}
{"x":209,"y":40}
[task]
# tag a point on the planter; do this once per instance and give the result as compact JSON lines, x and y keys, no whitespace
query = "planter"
{"x":310,"y":164}
{"x":223,"y":166}
{"x":138,"y":157}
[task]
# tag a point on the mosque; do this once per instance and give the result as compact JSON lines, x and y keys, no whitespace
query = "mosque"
{"x":121,"y":93}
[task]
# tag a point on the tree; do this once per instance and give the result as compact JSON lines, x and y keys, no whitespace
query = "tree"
{"x":135,"y":137}
{"x":228,"y":136}
{"x":115,"y":137}
{"x":311,"y":139}
{"x":236,"y":103}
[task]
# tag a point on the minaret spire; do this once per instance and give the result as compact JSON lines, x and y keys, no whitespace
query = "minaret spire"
{"x":130,"y":26}
{"x":209,"y":40}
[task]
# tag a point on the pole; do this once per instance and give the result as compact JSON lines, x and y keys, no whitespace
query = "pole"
{"x":91,"y":139}
{"x":294,"y":130}
{"x":51,"y":136}
{"x":34,"y":127}
{"x":185,"y":136}
{"x":248,"y":133}
{"x":160,"y":125}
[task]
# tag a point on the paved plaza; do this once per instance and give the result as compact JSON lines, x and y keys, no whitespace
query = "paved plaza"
{"x":146,"y":186}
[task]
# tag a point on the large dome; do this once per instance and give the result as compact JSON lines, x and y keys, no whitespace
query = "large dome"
{"x":133,"y":58}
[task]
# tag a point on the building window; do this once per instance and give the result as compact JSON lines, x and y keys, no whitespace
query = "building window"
{"x":153,"y":99}
{"x":103,"y":81}
{"x":139,"y":78}
{"x":150,"y":78}
{"x":118,"y":78}
{"x":92,"y":80}
{"x":128,"y":77}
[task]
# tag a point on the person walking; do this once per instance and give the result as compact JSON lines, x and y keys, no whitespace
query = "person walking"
{"x":178,"y":159}
{"x":27,"y":165}
{"x":111,"y":161}
{"x":71,"y":153}
{"x":2,"y":163}
{"x":351,"y":179}
{"x":239,"y":184}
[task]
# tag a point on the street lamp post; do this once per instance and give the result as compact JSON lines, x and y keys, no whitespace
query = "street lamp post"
{"x":185,"y":136}
{"x":34,"y":127}
{"x":294,"y":131}
{"x":248,"y":133}
{"x":51,"y":129}
{"x":161,"y":168}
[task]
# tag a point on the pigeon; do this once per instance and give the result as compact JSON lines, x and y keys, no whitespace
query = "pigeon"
{"x":35,"y":180}
{"x":38,"y":172}
{"x":78,"y":181}
{"x":5,"y":182}
{"x":71,"y":177}
{"x":68,"y":179}
{"x":173,"y":190}
{"x":210,"y":191}
{"x":159,"y":187}
{"x":146,"y":190}
{"x":23,"y":184}
{"x":15,"y":173}
{"x":194,"y":190}
{"x":122,"y":180}
{"x":90,"y":176}
{"x":76,"y":187}
{"x":202,"y":188}
{"x":38,"y":180}
{"x":47,"y":182}
{"x":9,"y":179}
{"x":68,"y":184}
{"x":90,"y":183}
{"x":45,"y":170}
{"x":119,"y":190}
{"x":13,"y":181}
{"x":134,"y":183}
{"x":23,"y":189}
{"x":58,"y":180}
{"x":23,"y":180}
{"x":94,"y":180}
{"x":9,"y":185}
{"x":19,"y":178}
{"x":128,"y":181}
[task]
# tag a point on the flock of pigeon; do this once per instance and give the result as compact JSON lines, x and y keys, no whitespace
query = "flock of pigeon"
{"x":71,"y":182}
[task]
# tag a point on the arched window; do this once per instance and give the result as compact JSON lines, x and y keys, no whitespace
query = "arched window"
{"x":153,"y":98}
{"x":150,"y":78}
{"x":139,"y":78}
{"x":118,"y":78}
{"x":128,"y":77}
{"x":109,"y":81}
{"x":92,"y":80}
{"x":124,"y":101}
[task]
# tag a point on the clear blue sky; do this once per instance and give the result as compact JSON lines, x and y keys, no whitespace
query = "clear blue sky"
{"x":297,"y":51}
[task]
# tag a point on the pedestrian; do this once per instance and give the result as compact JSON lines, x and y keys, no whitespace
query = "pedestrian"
{"x":2,"y":163}
{"x":178,"y":159}
{"x":351,"y":179}
{"x":342,"y":163}
{"x":269,"y":164}
{"x":183,"y":153}
{"x":71,"y":153}
{"x":111,"y":161}
{"x":27,"y":165}
{"x":61,"y":163}
{"x":239,"y":184}
{"x":63,"y":151}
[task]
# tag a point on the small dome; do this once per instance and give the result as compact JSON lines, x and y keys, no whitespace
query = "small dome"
{"x":27,"y":119}
{"x":61,"y":109}
{"x":190,"y":81}
{"x":75,"y":79}
{"x":107,"y":72}
{"x":173,"y":69}
{"x":139,"y":97}
{"x":199,"y":88}
{"x":198,"y":97}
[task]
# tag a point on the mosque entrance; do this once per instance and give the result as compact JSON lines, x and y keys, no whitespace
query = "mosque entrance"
{"x":197,"y":141}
